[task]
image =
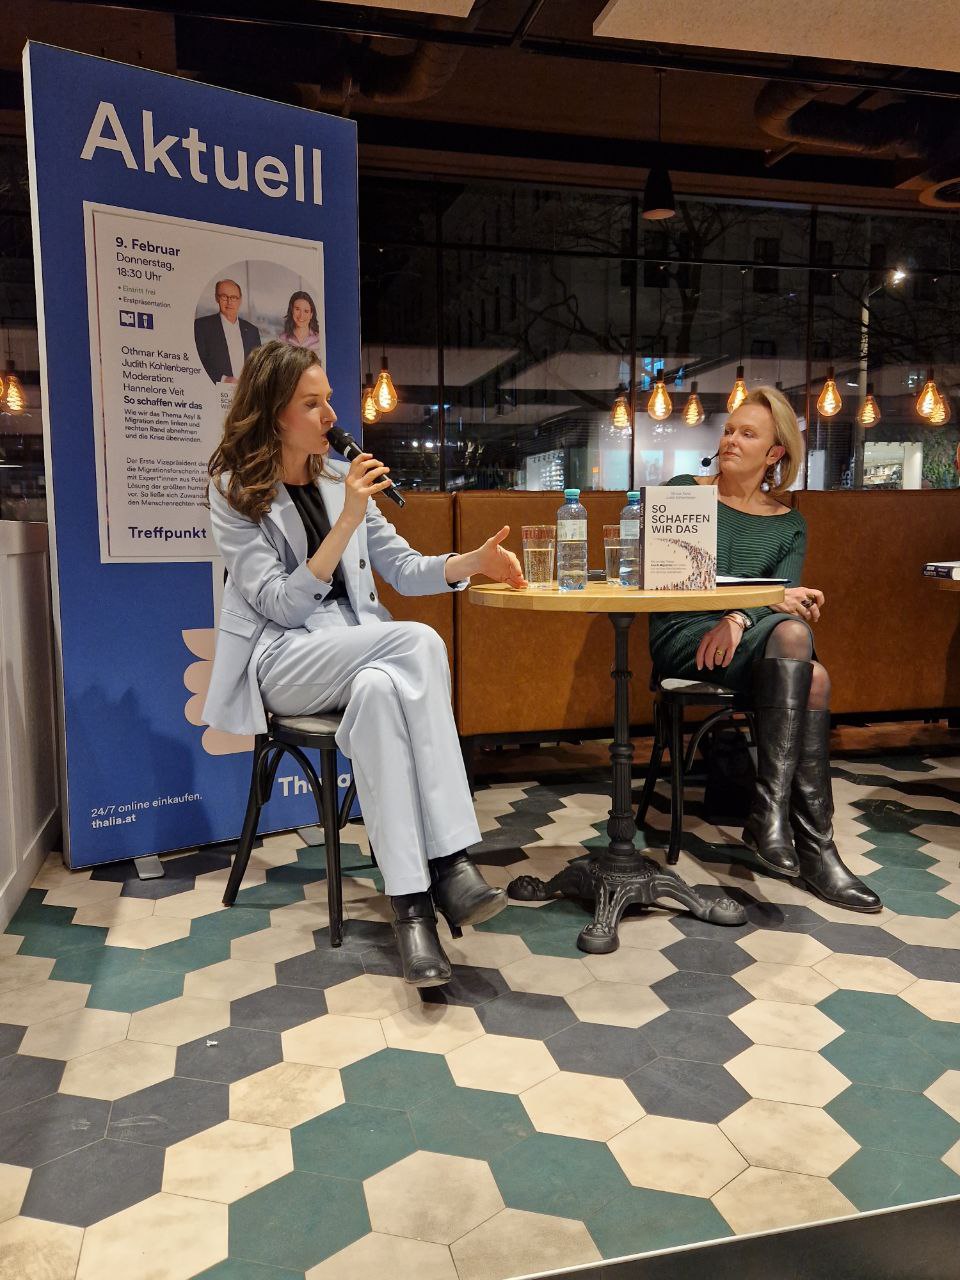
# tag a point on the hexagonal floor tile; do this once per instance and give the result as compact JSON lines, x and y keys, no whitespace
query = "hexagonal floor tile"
{"x":653,"y":930}
{"x":687,"y":1090}
{"x":783,"y":948}
{"x":641,"y":1220}
{"x":90,"y":1184}
{"x":229,"y":1054}
{"x":189,"y":1235}
{"x":872,"y":1013}
{"x":787,"y":1026}
{"x":145,"y":934}
{"x":71,"y":1035}
{"x":395,"y":1078}
{"x":787,"y":1075}
{"x":581,"y":1106}
{"x":522,"y":1013}
{"x":376,"y":1255}
{"x":178,"y":1021}
{"x":52,"y":1126}
{"x":431,"y":1028}
{"x":783,"y":1135}
{"x":707,"y":955}
{"x":893,"y":1120}
{"x":545,"y":975}
{"x":24,"y":1079}
{"x":279,"y":1225}
{"x":27,"y":1244}
{"x":119,"y":1069}
{"x":785,"y":983}
{"x":505,"y":1064}
{"x":168,"y":1112}
{"x":702,"y":1037}
{"x":938,"y":1000}
{"x":568,"y":1177}
{"x":332,"y":1041}
{"x":865,"y":973}
{"x":513,"y":1242}
{"x":229,"y":980}
{"x":701,"y":992}
{"x":23,"y":971}
{"x":594,"y":1049}
{"x":432,"y":1197}
{"x":882,"y":1060}
{"x":630,"y":964}
{"x":286,"y":1094}
{"x":874,"y":1179}
{"x":371,"y":996}
{"x":14,"y":1180}
{"x":41,"y":1000}
{"x":319,"y":966}
{"x":227,"y":1161}
{"x":945,"y":1092}
{"x":477,"y":1123}
{"x":277,"y":1008}
{"x":617,"y":1004}
{"x":681,"y":1156}
{"x":273,"y":946}
{"x":766,"y":1199}
{"x":352,"y":1141}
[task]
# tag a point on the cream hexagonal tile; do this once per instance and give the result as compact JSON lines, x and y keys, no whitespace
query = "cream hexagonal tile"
{"x":650,"y":931}
{"x":228,"y":1161}
{"x":486,"y":950}
{"x":515,"y":1242}
{"x":146,"y":933}
{"x":301,"y":915}
{"x":786,"y":1026}
{"x":683,"y":1156}
{"x":502,"y":1064}
{"x":779,"y":947}
{"x":115,"y":911}
{"x":865,"y":973}
{"x":281,"y":850}
{"x":432,"y":1028}
{"x":230,"y":979}
{"x":921,"y":931}
{"x":164,"y":1238}
{"x":581,"y":1106}
{"x":285,"y":1095}
{"x":783,"y":1135}
{"x":768,"y":1199}
{"x":23,"y":971}
{"x":271,"y":946}
{"x":81,"y":893}
{"x":179,"y":1021}
{"x":191,"y":905}
{"x":13,"y":1187}
{"x":119,"y":1069}
{"x":55,"y":872}
{"x":30,"y":1247}
{"x":216,"y":880}
{"x":71,"y":1035}
{"x":355,"y":889}
{"x":636,"y":965}
{"x":945,"y":1092}
{"x":10,"y":943}
{"x":787,"y":983}
{"x":787,"y":1075}
{"x":24,"y":1006}
{"x":432,"y":1197}
{"x":333,"y":1040}
{"x":938,"y":1000}
{"x":842,"y":915}
{"x":952,"y":1158}
{"x":374,"y":1256}
{"x":546,"y":975}
{"x":371,"y":995}
{"x":616,"y":1004}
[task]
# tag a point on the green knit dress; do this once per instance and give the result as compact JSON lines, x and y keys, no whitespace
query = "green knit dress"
{"x":748,"y":546}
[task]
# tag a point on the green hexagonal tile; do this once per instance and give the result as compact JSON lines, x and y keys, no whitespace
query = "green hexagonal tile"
{"x":32,"y":912}
{"x":904,"y":880}
{"x":898,"y":853}
{"x":569,"y":1177}
{"x":942,"y":1040}
{"x":874,"y":1179}
{"x":890,"y":1061}
{"x":270,"y":895}
{"x":640,"y":1221}
{"x":187,"y":954}
{"x":93,"y":964}
{"x":298,"y":1220}
{"x":227,"y":925}
{"x":395,"y":1078}
{"x":930,"y":905}
{"x":352,"y":1141}
{"x":470,"y":1122}
{"x":236,"y":1269}
{"x":138,"y":989}
{"x":892,"y":1120}
{"x":872,"y":1014}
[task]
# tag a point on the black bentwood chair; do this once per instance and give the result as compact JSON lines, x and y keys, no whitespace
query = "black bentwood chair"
{"x":289,"y":735}
{"x":671,"y":696}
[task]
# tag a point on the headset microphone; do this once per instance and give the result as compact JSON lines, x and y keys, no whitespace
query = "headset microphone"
{"x":705,"y":462}
{"x":344,"y":443}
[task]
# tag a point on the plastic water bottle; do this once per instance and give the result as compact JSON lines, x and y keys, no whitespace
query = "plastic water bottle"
{"x":631,"y":536}
{"x":572,"y":543}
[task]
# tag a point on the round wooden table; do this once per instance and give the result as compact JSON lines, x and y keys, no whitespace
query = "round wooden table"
{"x":619,"y":875}
{"x":946,"y":584}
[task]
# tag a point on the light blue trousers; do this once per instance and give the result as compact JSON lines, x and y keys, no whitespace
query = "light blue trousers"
{"x":392,"y":682}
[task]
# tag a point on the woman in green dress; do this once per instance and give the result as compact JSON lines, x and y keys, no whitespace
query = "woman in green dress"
{"x":769,"y":651}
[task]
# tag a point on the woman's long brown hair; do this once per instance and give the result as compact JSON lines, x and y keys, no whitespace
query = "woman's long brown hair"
{"x":249,"y":452}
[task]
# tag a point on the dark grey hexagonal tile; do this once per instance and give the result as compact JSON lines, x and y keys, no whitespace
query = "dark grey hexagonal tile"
{"x":707,"y":955}
{"x":10,"y":1037}
{"x":701,"y":992}
{"x":470,"y":985}
{"x":858,"y":939}
{"x":384,"y":961}
{"x":792,"y":919}
{"x":323,"y":967}
{"x":90,"y":1184}
{"x":597,"y":1050}
{"x":51,"y":1127}
{"x":278,"y":1008}
{"x":941,"y":964}
{"x":238,"y":1052}
{"x":520,"y":1013}
{"x":687,"y":1090}
{"x":24,"y":1079}
{"x":358,"y":935}
{"x":505,"y":857}
{"x":169,"y":1112}
{"x":700,"y":1037}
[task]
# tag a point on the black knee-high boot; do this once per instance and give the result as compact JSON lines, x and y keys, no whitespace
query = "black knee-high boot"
{"x":781,"y":687}
{"x":424,"y":961}
{"x":811,"y":816}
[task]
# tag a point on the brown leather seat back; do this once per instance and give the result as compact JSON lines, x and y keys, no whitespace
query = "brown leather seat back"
{"x":427,"y":524}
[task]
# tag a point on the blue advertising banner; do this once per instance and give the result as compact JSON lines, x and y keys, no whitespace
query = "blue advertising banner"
{"x":176,"y":227}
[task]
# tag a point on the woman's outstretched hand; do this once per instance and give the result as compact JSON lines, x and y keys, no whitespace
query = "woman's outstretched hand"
{"x":494,"y":561}
{"x":801,"y":602}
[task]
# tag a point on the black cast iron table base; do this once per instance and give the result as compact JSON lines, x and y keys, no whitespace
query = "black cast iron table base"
{"x":619,"y":876}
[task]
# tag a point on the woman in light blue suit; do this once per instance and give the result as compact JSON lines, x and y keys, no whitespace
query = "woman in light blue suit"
{"x":302,"y":631}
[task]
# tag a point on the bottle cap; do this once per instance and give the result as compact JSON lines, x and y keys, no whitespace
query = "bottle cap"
{"x":571,"y":493}
{"x":633,"y":495}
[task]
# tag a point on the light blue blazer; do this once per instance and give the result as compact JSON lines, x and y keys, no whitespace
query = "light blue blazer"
{"x":270,"y":589}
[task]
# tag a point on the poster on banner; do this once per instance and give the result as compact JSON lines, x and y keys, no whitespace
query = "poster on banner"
{"x":176,"y":227}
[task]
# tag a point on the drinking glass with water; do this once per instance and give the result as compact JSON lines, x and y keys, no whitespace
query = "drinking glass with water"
{"x":539,"y":546}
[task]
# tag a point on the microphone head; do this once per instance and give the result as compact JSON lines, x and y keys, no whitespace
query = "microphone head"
{"x":342,"y":441}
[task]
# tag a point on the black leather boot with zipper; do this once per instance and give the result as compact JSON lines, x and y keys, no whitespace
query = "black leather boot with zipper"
{"x":424,"y":961}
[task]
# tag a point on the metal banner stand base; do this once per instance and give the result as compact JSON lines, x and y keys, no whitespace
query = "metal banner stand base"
{"x":149,"y":867}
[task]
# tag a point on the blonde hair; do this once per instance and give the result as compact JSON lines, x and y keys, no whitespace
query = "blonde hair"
{"x":786,"y":433}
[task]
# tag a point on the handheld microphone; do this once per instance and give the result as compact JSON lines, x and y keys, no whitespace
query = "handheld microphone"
{"x":344,"y":443}
{"x":705,"y":462}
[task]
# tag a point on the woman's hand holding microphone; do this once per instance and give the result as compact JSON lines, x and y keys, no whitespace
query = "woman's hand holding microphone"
{"x":366,"y":478}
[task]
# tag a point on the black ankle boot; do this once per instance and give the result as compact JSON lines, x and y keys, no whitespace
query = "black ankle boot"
{"x":461,"y":893}
{"x":415,"y":927}
{"x":781,"y":687}
{"x":811,"y":816}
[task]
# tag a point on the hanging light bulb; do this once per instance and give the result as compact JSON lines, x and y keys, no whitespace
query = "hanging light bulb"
{"x":929,"y":397}
{"x":620,"y":413}
{"x":829,"y":402}
{"x":659,"y":406}
{"x":692,"y":413}
{"x":385,"y":392}
{"x":369,"y":410}
{"x":739,"y":393}
{"x":941,"y":414}
{"x":13,"y":398}
{"x":868,"y":415}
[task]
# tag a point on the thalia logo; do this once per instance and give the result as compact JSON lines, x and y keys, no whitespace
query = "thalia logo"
{"x":271,"y":175}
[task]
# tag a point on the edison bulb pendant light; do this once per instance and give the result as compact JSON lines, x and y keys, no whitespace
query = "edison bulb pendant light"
{"x":385,"y":391}
{"x":692,"y":413}
{"x":14,"y":399}
{"x":829,"y":402}
{"x":620,"y":413}
{"x":739,"y":393}
{"x":369,"y":409}
{"x":941,"y":414}
{"x":868,"y":415}
{"x":929,"y":397}
{"x":659,"y":406}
